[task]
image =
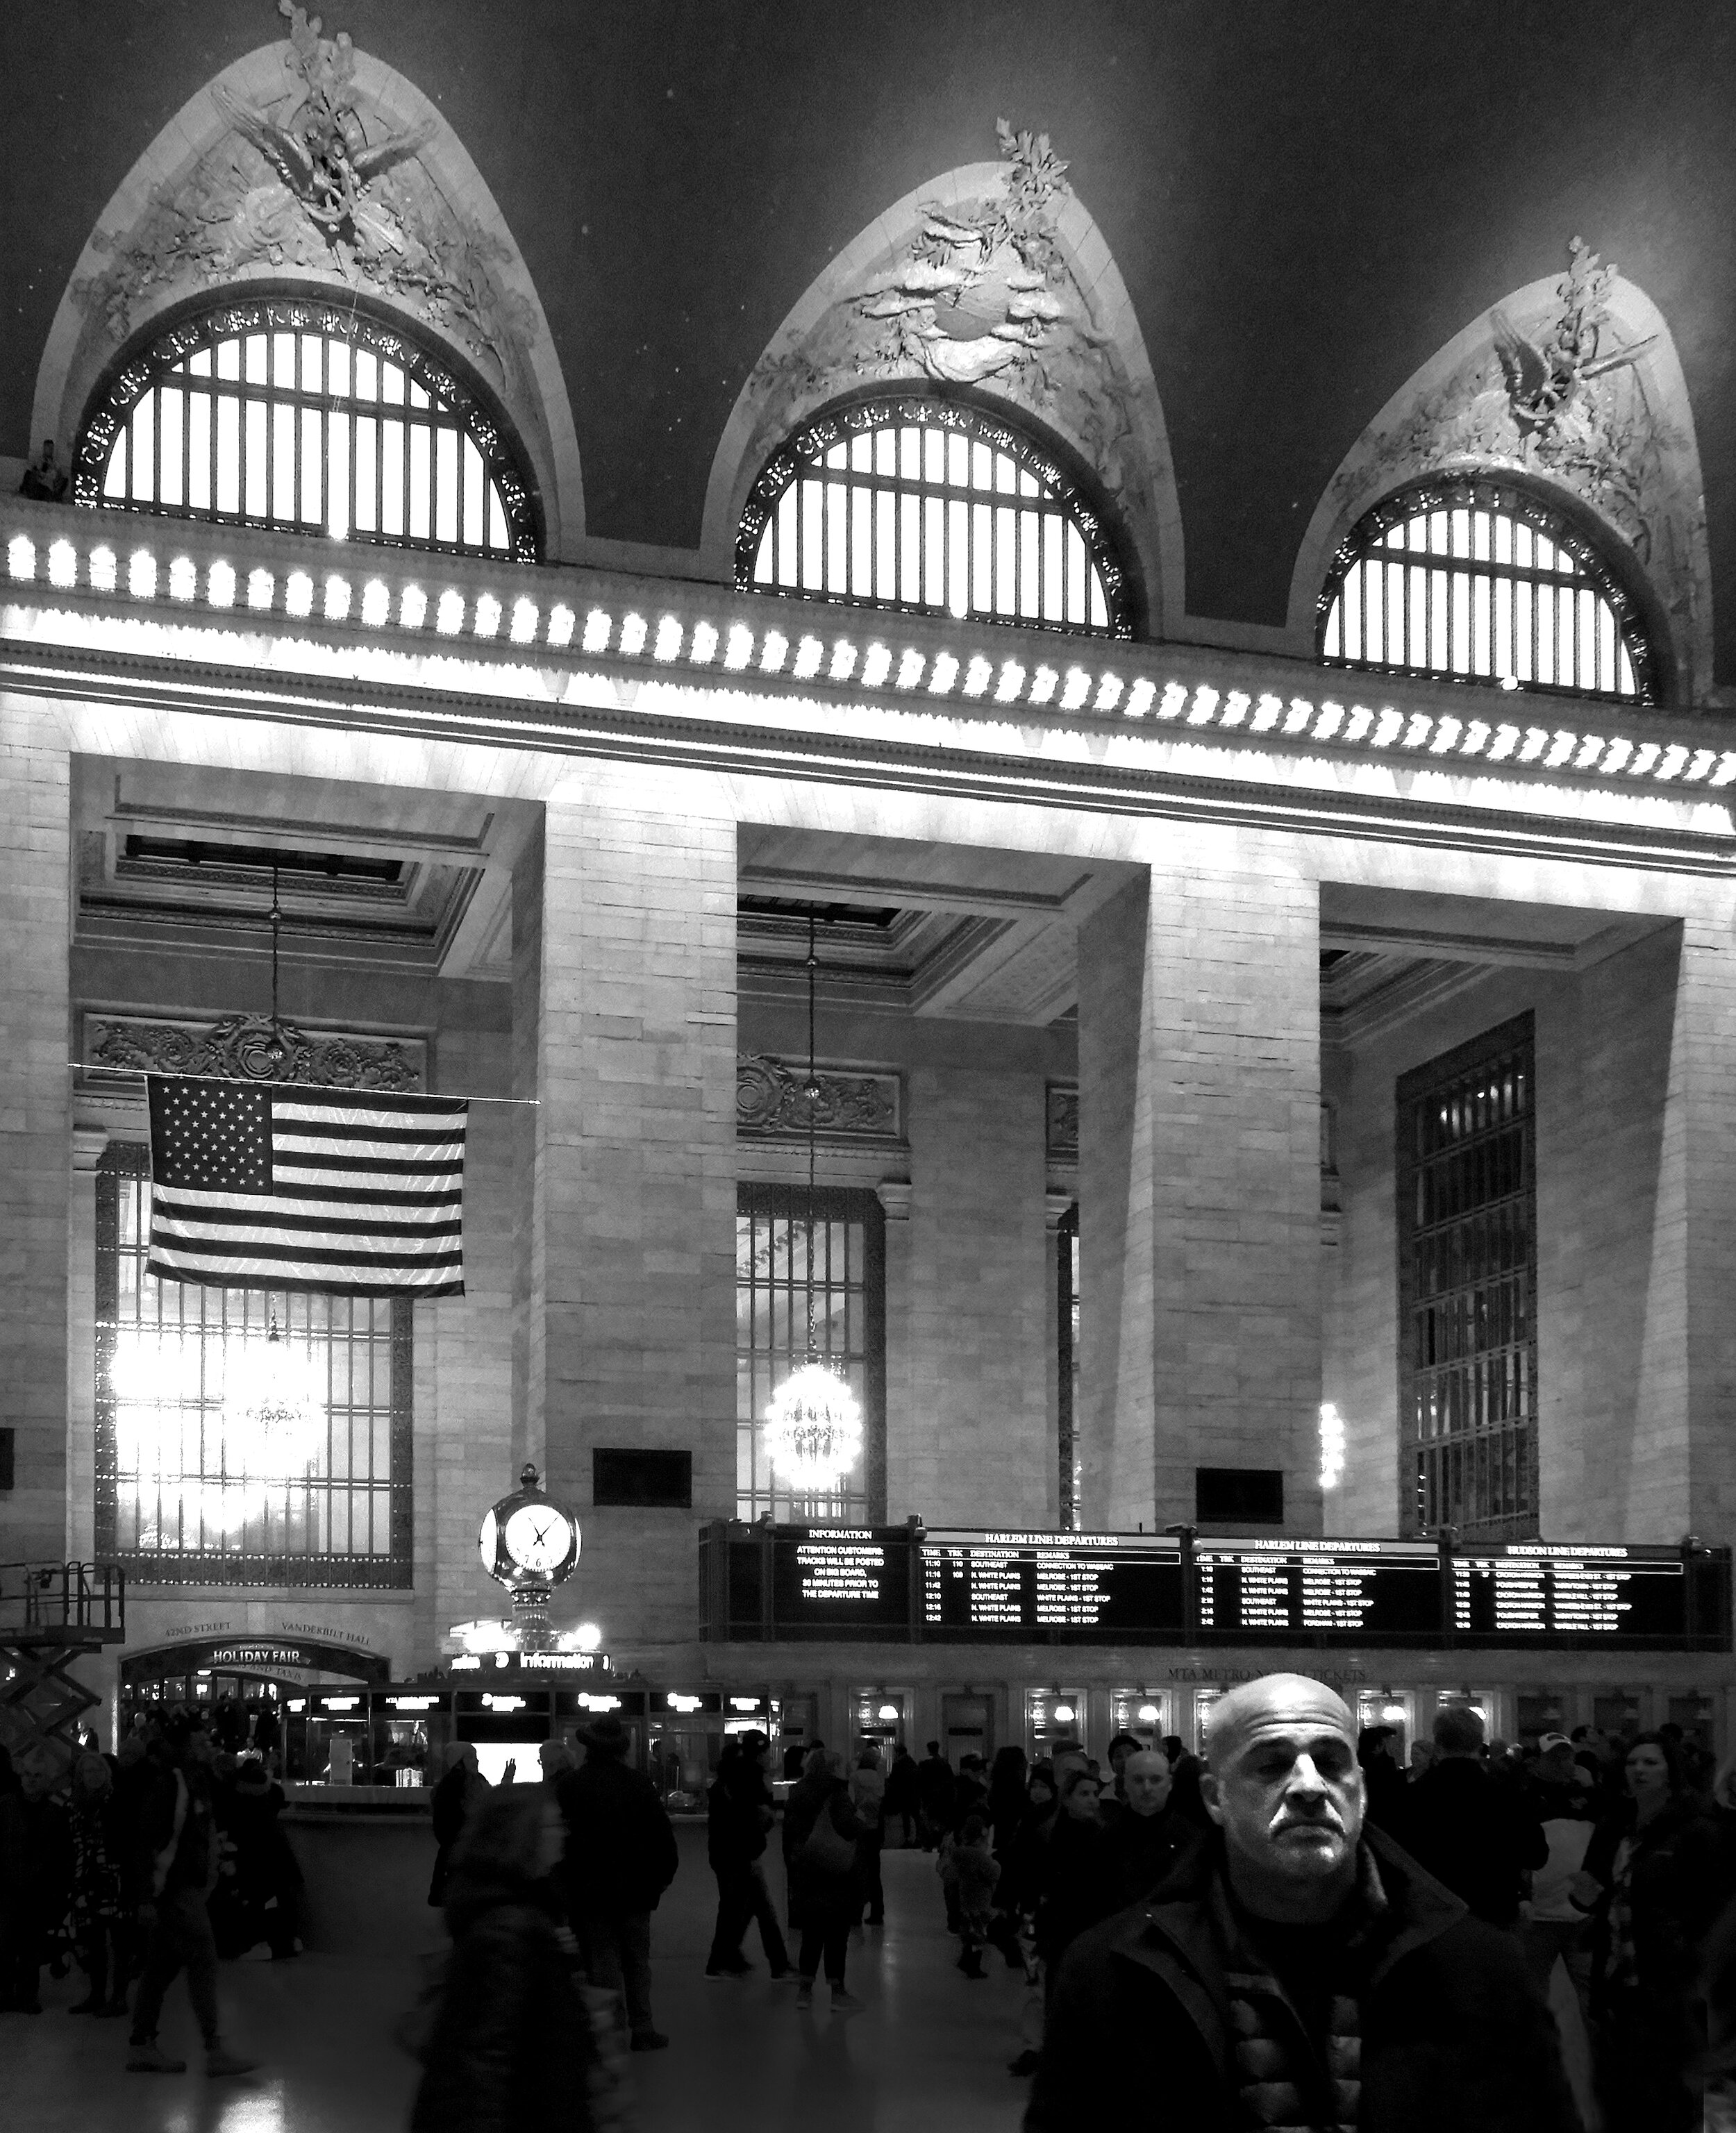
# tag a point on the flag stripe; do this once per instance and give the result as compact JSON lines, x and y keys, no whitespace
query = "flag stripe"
{"x":332,"y":1191}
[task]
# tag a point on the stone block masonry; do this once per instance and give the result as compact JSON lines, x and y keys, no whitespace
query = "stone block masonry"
{"x":1199,"y":1091}
{"x":35,"y":1126}
{"x":624,"y":1030}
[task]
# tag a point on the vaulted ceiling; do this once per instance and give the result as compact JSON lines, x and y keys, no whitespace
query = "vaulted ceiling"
{"x":1305,"y":203}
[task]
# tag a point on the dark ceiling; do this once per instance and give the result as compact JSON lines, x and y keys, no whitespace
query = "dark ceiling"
{"x":1305,"y":200}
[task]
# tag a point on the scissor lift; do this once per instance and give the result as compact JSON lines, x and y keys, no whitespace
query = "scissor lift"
{"x":51,"y":1614}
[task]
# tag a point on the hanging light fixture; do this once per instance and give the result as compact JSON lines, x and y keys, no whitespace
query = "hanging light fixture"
{"x":274,"y":1403}
{"x":813,"y":1426}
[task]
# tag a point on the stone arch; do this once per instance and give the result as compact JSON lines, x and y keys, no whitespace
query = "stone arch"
{"x":202,"y":210}
{"x":1081,"y":370}
{"x":1628,"y":460}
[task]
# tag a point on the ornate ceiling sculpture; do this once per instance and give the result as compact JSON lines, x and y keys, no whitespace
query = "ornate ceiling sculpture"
{"x":317,"y":183}
{"x":251,"y":1047}
{"x":984,"y":292}
{"x":771,"y":1101}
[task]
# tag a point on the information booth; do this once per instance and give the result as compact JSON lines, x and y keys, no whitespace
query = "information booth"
{"x":880,"y":1719}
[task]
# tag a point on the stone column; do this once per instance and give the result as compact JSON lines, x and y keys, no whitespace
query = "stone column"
{"x":1199,"y":1187}
{"x":35,"y":1129}
{"x":624,"y":1030}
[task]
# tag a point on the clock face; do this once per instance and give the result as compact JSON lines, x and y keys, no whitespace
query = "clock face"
{"x":538,"y":1537}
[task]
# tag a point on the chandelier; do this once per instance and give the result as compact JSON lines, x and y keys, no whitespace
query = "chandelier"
{"x":273,"y":1404}
{"x":813,"y":1426}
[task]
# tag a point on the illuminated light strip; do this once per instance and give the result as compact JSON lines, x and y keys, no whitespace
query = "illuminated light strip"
{"x":738,"y":649}
{"x":1096,"y":692}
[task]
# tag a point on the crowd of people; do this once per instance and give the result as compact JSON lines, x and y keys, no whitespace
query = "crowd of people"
{"x":166,"y":1857}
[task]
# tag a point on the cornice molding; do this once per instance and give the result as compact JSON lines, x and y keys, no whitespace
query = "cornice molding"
{"x":574,"y":663}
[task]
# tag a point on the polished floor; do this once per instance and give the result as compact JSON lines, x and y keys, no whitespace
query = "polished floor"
{"x":927,"y":2043}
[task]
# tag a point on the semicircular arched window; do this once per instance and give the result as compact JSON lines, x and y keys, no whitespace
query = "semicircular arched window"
{"x":1480,"y":580}
{"x":310,"y":418}
{"x":936,"y":507}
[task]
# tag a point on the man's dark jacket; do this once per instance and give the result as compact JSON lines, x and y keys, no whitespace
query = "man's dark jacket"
{"x":1454,"y":2038}
{"x":620,"y":1849}
{"x":1474,"y":1832}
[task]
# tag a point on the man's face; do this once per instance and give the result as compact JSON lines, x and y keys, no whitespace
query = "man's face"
{"x":1284,"y":1785}
{"x":1146,"y":1779}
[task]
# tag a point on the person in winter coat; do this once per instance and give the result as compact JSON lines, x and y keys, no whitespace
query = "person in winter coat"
{"x":267,"y":1879}
{"x":1022,"y":1890}
{"x":935,"y":1786}
{"x":1007,"y":1798}
{"x":1297,"y":1969}
{"x":820,"y":1833}
{"x":1185,"y":1771}
{"x":620,"y":1858}
{"x":739,"y":1814}
{"x":511,"y":2048}
{"x":902,"y":1803}
{"x":1478,"y":1833}
{"x":1383,"y":1781}
{"x":868,"y":1798}
{"x":1555,"y":1928}
{"x":971,"y":1860}
{"x":461,"y":1790}
{"x":36,"y":1882}
{"x":1651,"y":1885}
{"x":1143,"y":1836}
{"x":1072,"y":1868}
{"x":99,"y":1896}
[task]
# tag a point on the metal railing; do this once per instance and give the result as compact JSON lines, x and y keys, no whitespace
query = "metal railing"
{"x":42,"y":1601}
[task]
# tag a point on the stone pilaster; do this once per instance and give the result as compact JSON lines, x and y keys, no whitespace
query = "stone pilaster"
{"x":35,"y":1130}
{"x":1199,"y":1188}
{"x":624,"y":1030}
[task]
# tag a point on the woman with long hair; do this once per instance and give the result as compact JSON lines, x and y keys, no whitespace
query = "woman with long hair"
{"x":1651,"y":1883}
{"x":511,"y":2045}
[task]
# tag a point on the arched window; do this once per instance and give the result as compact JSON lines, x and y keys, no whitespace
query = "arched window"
{"x":1483,"y":581}
{"x":316,"y":419}
{"x":934,"y":506}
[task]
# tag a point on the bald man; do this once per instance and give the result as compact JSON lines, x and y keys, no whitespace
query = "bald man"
{"x":1297,"y":1969}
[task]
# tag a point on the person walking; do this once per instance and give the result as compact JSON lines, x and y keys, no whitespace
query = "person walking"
{"x":935,"y":1786}
{"x":461,"y":1790}
{"x":903,"y":1799}
{"x":267,"y":1879}
{"x":1297,"y":1969}
{"x":868,"y":1798}
{"x":620,"y":1858}
{"x":180,"y":1833}
{"x":820,"y":1833}
{"x":975,"y":1872}
{"x":1651,"y":1885}
{"x":1072,"y":1868}
{"x":1476,"y":1833}
{"x":510,"y":2045}
{"x":738,"y":1817}
{"x":1553,"y":1929}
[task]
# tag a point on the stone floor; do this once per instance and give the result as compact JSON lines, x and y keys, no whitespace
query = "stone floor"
{"x":927,"y":2045}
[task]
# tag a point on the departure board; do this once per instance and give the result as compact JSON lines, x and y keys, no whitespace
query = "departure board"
{"x":1025,"y":1585}
{"x":1360,"y":1590}
{"x":828,"y":1580}
{"x":1534,"y":1593}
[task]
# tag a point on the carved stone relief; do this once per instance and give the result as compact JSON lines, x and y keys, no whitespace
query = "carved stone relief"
{"x":1062,"y":1111}
{"x":772,"y":1101}
{"x":249,"y":1047}
{"x":319,"y":183}
{"x":987,"y":290}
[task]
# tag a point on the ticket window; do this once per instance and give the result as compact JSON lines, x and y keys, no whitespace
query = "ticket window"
{"x":1483,"y":1702}
{"x":880,"y":1721}
{"x":1146,"y":1716}
{"x":1053,"y":1717}
{"x":1616,"y":1713}
{"x":752,"y":1714}
{"x":800,"y":1730}
{"x":1695,"y":1713}
{"x":1539,"y":1711}
{"x":1205,"y":1701}
{"x":968,"y":1727}
{"x":1396,"y":1708}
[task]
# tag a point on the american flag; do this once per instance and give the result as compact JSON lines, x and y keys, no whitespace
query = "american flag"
{"x":336,"y":1191}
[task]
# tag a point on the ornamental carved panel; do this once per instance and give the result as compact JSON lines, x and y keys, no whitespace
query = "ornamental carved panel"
{"x":249,"y":1047}
{"x":852,"y":1103}
{"x":1062,"y":1113}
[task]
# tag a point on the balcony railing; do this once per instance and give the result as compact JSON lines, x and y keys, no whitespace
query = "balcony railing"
{"x":44,"y":1603}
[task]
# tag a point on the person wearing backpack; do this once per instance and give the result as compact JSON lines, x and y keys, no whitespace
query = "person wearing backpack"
{"x":820,"y":1834}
